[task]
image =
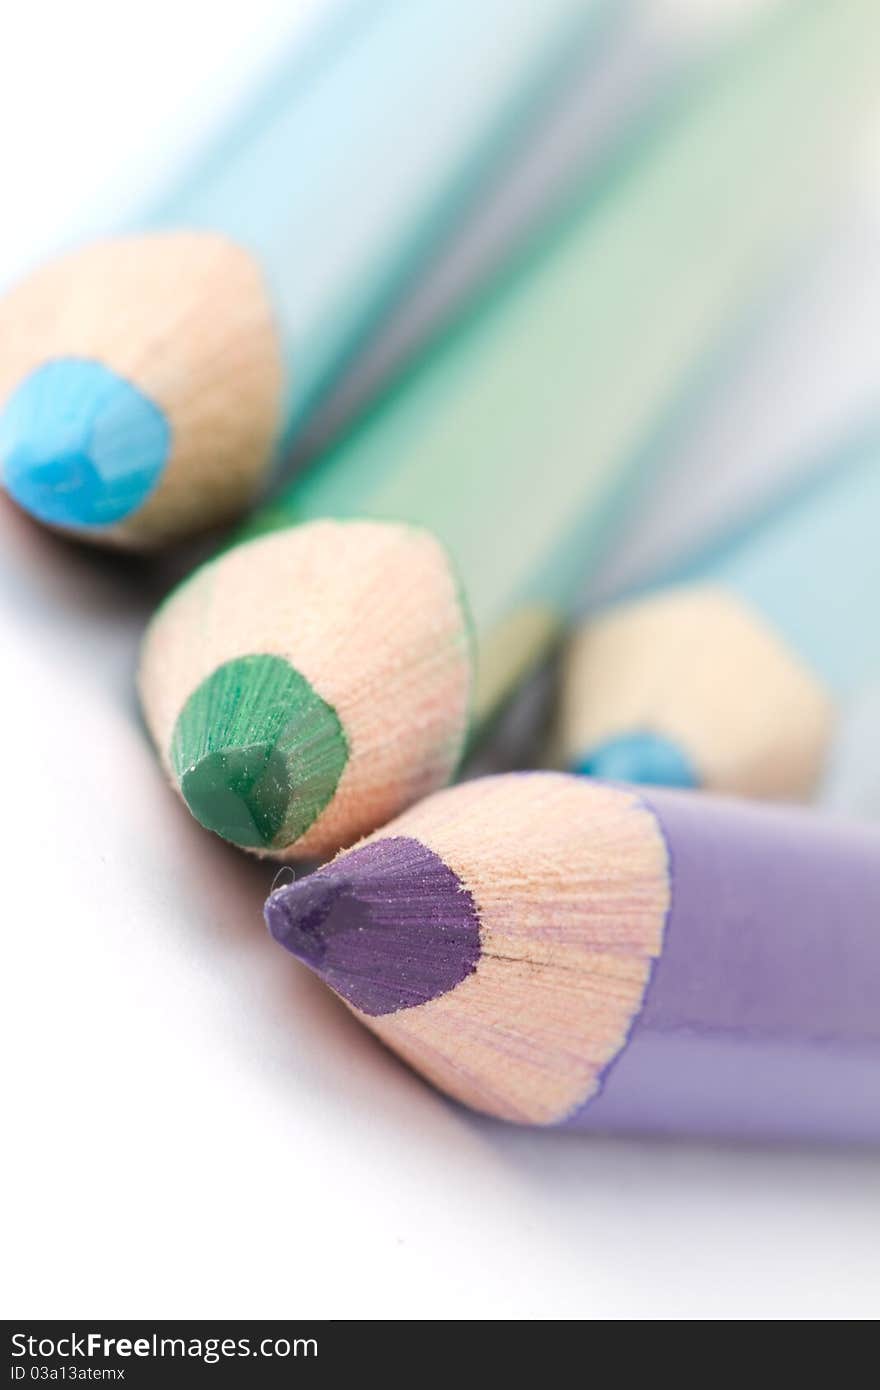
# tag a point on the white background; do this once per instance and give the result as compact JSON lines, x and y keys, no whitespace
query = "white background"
{"x":195,"y":1127}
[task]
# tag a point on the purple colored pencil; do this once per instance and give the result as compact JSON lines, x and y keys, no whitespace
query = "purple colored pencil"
{"x":561,"y":952}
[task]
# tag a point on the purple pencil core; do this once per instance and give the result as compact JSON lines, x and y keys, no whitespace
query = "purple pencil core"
{"x":388,"y":927}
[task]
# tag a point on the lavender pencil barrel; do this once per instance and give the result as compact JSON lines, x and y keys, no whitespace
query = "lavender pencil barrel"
{"x":561,"y":952}
{"x":762,"y":1014}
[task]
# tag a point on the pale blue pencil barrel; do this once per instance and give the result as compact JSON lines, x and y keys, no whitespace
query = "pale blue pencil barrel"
{"x":732,"y":676}
{"x":367,"y":151}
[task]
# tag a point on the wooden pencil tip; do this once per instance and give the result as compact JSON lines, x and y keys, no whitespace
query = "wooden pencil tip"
{"x":141,"y":387}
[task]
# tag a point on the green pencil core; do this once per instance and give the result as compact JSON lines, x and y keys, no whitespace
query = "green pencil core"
{"x":241,"y":794}
{"x":257,"y":752}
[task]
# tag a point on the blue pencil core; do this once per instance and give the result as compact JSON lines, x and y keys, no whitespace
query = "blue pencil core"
{"x":639,"y":757}
{"x":79,"y":445}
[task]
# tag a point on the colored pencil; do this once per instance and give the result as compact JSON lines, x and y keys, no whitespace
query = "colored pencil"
{"x":732,"y":678}
{"x":149,"y":382}
{"x":311,"y":682}
{"x":561,"y":952}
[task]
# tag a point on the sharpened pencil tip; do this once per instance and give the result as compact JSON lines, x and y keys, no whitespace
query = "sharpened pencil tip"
{"x":644,"y":758}
{"x":257,"y":753}
{"x":79,"y":445}
{"x":304,"y":922}
{"x":388,"y":926}
{"x":240,"y":793}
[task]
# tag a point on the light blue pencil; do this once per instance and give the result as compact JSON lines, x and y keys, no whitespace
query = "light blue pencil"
{"x":149,"y":383}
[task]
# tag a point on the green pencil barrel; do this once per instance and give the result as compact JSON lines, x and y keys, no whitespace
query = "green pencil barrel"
{"x":517,"y":439}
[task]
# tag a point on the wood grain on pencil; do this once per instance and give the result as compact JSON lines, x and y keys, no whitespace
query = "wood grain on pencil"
{"x":330,"y":674}
{"x":556,"y":951}
{"x":185,"y":320}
